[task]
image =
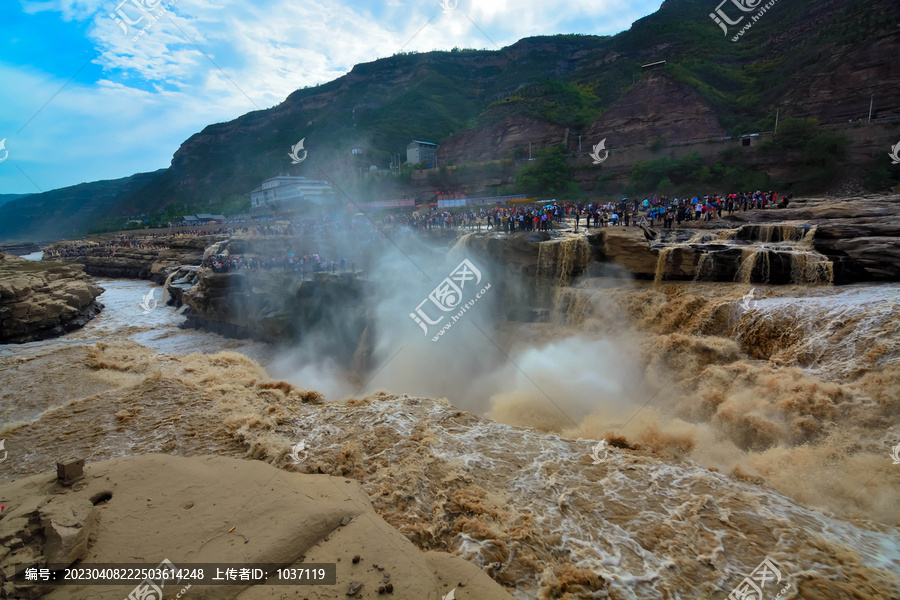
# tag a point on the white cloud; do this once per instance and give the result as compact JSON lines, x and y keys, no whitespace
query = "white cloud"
{"x":159,"y":89}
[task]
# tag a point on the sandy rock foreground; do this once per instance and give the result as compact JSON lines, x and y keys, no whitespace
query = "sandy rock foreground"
{"x":144,"y":509}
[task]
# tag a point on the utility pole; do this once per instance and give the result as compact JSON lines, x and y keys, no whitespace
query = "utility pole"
{"x":776,"y":119}
{"x":579,"y":142}
{"x":871,"y":102}
{"x":529,"y":150}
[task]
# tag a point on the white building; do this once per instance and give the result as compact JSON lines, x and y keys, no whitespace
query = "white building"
{"x":421,"y":152}
{"x":285,"y":193}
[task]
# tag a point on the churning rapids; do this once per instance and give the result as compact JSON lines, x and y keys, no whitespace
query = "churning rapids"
{"x":739,"y":426}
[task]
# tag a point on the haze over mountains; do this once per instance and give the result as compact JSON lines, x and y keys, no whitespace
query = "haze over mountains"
{"x":820,"y":60}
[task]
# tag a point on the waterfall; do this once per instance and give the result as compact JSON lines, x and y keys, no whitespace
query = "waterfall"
{"x":703,"y":267}
{"x":748,"y":264}
{"x":215,"y":249}
{"x":774,"y":233}
{"x":563,"y":258}
{"x":706,"y":237}
{"x":462,"y":243}
{"x":663,"y":262}
{"x":808,"y":238}
{"x":811,"y":267}
{"x":165,"y":293}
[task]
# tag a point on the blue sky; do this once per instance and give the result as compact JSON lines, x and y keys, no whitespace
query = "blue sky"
{"x":102,"y":89}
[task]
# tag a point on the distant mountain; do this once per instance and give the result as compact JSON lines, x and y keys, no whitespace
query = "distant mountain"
{"x":67,"y":212}
{"x":4,"y":198}
{"x":819,"y":59}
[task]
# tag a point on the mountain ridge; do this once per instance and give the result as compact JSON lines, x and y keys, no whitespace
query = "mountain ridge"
{"x":815,"y":59}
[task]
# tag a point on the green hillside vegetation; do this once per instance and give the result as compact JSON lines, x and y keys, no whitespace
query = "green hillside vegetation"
{"x":565,"y":80}
{"x":549,"y":177}
{"x":67,"y":212}
{"x":552,"y":101}
{"x":817,"y":154}
{"x":4,"y":198}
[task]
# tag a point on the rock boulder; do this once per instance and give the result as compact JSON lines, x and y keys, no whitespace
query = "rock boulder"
{"x":40,"y":300}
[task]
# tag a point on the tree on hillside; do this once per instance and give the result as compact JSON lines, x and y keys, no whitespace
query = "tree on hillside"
{"x":549,"y":176}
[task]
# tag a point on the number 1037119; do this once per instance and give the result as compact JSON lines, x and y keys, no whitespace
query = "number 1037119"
{"x":302,"y":574}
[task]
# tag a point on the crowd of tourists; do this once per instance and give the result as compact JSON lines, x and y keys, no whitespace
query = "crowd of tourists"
{"x":666,"y":212}
{"x":107,"y":248}
{"x":657,"y":211}
{"x":305,"y":265}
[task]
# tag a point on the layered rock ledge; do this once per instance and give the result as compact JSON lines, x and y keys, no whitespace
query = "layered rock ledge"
{"x":143,"y":258}
{"x":41,"y":300}
{"x":815,"y":241}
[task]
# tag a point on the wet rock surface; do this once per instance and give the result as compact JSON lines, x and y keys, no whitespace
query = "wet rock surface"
{"x":279,"y":305}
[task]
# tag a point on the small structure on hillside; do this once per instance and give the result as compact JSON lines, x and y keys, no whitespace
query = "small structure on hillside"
{"x":421,"y":152}
{"x":291,"y":194}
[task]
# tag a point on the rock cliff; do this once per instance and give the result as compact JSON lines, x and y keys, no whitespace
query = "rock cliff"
{"x":657,"y":108}
{"x":40,"y":300}
{"x":19,"y":248}
{"x":278,"y":305}
{"x":500,"y":140}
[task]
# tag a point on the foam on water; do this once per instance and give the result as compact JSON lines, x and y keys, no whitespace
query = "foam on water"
{"x":637,"y":523}
{"x":529,"y":505}
{"x":838,"y":334}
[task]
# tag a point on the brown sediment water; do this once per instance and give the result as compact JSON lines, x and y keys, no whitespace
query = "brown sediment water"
{"x":703,"y":267}
{"x":560,"y":259}
{"x":663,"y":262}
{"x":748,"y":264}
{"x":743,"y":426}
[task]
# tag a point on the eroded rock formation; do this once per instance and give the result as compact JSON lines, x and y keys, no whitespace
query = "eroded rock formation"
{"x":148,"y":258}
{"x":40,"y":300}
